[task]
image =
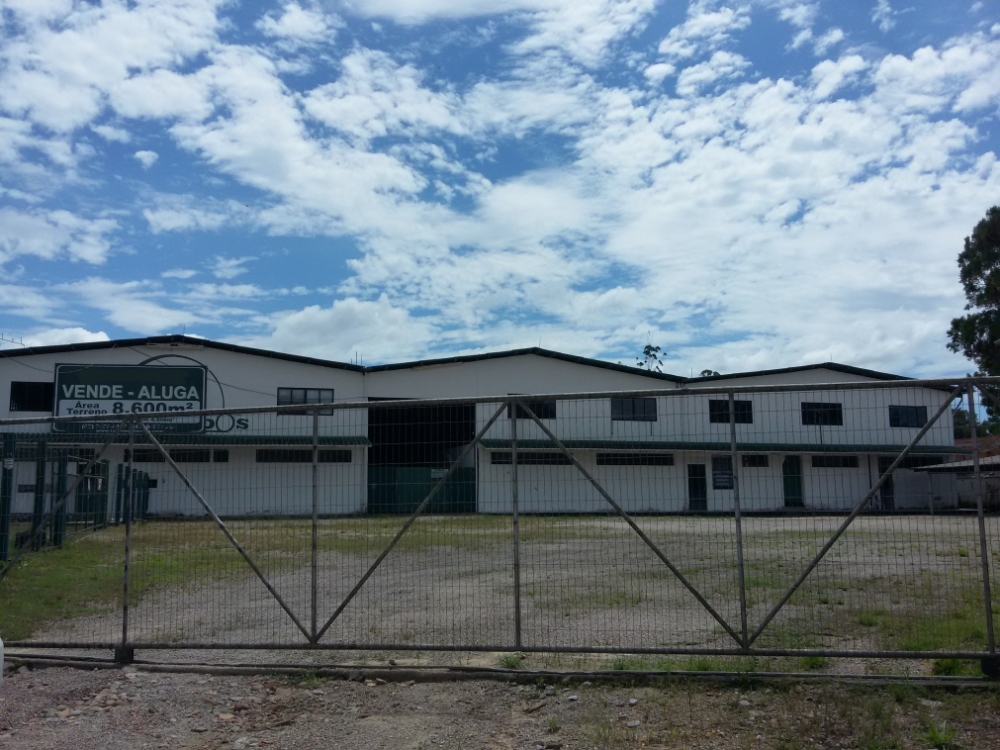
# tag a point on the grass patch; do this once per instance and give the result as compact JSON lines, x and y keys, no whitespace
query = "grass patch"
{"x":511,"y":661}
{"x":813,"y":663}
{"x":940,"y":737}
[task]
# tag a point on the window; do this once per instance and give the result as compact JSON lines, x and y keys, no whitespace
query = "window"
{"x":718,"y":412}
{"x":145,"y":456}
{"x":220,"y":456}
{"x":907,"y":416}
{"x":755,"y":461}
{"x":822,"y":414}
{"x":301,"y":456}
{"x":191,"y":455}
{"x":835,"y":462}
{"x":722,"y":472}
{"x":633,"y":409}
{"x":32,"y":396}
{"x":529,"y":458}
{"x":289,"y":396}
{"x":542,"y":410}
{"x":635,"y":459}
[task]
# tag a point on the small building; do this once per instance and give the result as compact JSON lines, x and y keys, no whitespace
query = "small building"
{"x":661,"y":444}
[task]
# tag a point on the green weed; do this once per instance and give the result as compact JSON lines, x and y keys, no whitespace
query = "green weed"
{"x":940,"y":737}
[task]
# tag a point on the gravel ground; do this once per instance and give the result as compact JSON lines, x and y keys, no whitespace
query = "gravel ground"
{"x":110,"y":709}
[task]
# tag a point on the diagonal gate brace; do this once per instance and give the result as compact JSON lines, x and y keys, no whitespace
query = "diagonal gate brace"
{"x":854,"y":514}
{"x":225,"y":530}
{"x":628,"y":519}
{"x":409,"y":522}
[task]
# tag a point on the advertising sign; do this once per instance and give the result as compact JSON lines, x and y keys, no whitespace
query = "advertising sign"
{"x":163,"y":393}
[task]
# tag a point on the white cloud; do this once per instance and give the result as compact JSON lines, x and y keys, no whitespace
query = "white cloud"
{"x":179,"y":273}
{"x":299,"y":26}
{"x":51,"y":234}
{"x":58,"y":75}
{"x":229,"y":268}
{"x":111,"y":133}
{"x":882,"y":16}
{"x":704,"y":30}
{"x":721,"y":65}
{"x":130,"y":305}
{"x":658,"y":71}
{"x":58,"y":336}
{"x":828,"y":40}
{"x":830,"y":75}
{"x":146,"y":158}
{"x":376,"y":329}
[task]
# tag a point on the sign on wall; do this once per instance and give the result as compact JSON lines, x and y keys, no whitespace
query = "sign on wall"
{"x":163,"y":393}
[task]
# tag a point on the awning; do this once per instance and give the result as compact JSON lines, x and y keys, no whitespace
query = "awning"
{"x":719,"y":447}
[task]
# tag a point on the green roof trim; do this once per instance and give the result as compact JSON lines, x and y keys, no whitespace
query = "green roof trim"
{"x":681,"y":445}
{"x":64,"y":438}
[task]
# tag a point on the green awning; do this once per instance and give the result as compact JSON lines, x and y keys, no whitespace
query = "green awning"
{"x":717,"y":447}
{"x":227,"y":439}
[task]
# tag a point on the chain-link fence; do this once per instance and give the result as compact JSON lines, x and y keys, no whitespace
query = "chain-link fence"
{"x":824,"y":520}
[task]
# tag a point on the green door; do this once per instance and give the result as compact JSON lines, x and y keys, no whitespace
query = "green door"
{"x":791,"y":471}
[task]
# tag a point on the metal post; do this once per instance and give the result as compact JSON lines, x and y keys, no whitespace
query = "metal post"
{"x":315,"y":517}
{"x":739,"y":521}
{"x":124,"y":654}
{"x":119,"y":493}
{"x":38,"y":511}
{"x":59,"y":517}
{"x":517,"y":524}
{"x":983,"y":548}
{"x":6,"y":495}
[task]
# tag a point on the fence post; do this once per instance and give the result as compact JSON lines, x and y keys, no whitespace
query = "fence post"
{"x":516,"y":523}
{"x":315,"y":518}
{"x":739,"y":521}
{"x":38,"y":510}
{"x":6,"y":495}
{"x":124,"y":654}
{"x":990,"y":664}
{"x":59,"y":519}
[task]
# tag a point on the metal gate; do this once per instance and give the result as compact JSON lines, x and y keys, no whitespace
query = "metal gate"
{"x":750,"y":522}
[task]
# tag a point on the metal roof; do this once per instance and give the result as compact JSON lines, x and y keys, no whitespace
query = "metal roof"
{"x":721,"y":447}
{"x":184,"y":340}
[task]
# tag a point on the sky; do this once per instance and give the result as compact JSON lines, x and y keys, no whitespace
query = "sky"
{"x":746,"y":185}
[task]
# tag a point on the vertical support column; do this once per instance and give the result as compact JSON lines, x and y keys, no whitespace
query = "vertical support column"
{"x":991,"y":665}
{"x":516,"y":522}
{"x":38,"y":510}
{"x":6,"y":495}
{"x":315,"y":519}
{"x":119,"y":494}
{"x":59,"y":519}
{"x":124,"y":654}
{"x":739,"y":521}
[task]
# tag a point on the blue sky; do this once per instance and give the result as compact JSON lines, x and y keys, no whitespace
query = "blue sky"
{"x":745,"y":184}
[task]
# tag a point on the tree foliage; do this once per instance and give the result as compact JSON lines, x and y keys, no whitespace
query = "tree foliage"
{"x":650,"y":359}
{"x":977,"y":334}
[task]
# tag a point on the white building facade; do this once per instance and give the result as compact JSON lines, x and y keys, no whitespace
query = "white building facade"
{"x":800,"y":448}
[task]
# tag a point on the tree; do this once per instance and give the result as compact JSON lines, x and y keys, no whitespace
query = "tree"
{"x":650,"y":359}
{"x":977,"y":335}
{"x":709,"y":374}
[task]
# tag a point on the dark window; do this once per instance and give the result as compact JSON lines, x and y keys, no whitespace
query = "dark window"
{"x":25,"y":488}
{"x":635,"y":459}
{"x":152,"y":483}
{"x":907,"y":416}
{"x":722,"y":472}
{"x":633,"y":409}
{"x":755,"y":461}
{"x":718,"y":411}
{"x":191,"y":455}
{"x":301,"y":456}
{"x":835,"y":462}
{"x":697,"y":487}
{"x":290,"y":396}
{"x":145,"y":456}
{"x":528,"y":458}
{"x":542,"y":409}
{"x":32,"y":396}
{"x":220,"y":456}
{"x":822,"y":414}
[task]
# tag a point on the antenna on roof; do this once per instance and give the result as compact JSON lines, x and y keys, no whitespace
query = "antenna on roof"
{"x":19,"y":342}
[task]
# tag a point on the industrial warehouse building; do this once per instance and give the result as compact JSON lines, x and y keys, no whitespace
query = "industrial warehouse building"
{"x":799,"y":449}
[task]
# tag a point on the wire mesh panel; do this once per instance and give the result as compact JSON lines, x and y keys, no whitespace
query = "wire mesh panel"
{"x":840,"y":519}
